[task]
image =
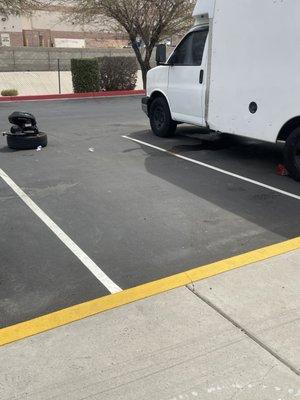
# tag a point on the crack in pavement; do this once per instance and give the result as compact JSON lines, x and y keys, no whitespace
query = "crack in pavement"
{"x":250,"y":335}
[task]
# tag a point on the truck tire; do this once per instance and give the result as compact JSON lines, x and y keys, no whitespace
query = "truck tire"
{"x":292,"y":154}
{"x":27,"y":142}
{"x":161,"y":122}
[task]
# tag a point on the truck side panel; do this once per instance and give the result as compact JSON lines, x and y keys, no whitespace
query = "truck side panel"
{"x":159,"y":79}
{"x":255,"y":59}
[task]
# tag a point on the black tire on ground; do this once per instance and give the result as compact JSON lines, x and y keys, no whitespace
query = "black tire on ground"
{"x":22,"y":142}
{"x":161,"y":122}
{"x":292,"y":154}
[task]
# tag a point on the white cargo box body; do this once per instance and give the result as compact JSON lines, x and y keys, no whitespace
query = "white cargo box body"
{"x":255,"y":57}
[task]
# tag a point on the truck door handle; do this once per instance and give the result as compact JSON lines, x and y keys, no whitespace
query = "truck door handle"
{"x":201,"y":76}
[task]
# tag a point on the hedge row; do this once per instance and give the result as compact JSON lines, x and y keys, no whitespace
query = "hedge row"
{"x":106,"y":73}
{"x":9,"y":92}
{"x":85,"y":75}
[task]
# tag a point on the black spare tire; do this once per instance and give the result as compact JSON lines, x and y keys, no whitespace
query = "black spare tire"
{"x":27,"y":142}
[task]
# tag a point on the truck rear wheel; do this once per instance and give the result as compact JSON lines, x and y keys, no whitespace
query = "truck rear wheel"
{"x":292,"y":154}
{"x":161,"y":122}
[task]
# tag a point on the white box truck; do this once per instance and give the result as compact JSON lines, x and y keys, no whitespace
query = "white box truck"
{"x":237,"y":71}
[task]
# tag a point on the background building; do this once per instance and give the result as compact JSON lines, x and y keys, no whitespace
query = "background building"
{"x":49,"y":28}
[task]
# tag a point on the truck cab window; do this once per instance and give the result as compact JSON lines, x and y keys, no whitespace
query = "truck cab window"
{"x":190,"y":50}
{"x":182,"y":53}
{"x":198,"y":45}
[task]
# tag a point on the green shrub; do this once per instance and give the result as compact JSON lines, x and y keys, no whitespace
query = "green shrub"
{"x":85,"y":75}
{"x":118,"y":73}
{"x":9,"y":92}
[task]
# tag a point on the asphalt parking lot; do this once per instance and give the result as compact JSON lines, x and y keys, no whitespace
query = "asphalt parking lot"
{"x":138,"y":213}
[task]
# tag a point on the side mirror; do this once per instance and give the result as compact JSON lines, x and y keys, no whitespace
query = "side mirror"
{"x":161,"y":54}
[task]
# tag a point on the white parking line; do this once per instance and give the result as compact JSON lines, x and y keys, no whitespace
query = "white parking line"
{"x":223,"y":171}
{"x":67,"y":241}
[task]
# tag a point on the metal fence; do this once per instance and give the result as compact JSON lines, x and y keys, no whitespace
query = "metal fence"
{"x":46,"y":59}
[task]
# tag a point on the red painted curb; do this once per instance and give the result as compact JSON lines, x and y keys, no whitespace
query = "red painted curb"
{"x":72,"y":95}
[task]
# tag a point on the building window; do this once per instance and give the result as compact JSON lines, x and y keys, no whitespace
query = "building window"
{"x":41,"y":41}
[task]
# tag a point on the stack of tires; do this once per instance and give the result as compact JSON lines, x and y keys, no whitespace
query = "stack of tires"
{"x":24,"y":133}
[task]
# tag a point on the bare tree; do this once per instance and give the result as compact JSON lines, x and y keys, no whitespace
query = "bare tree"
{"x":147,"y":22}
{"x":18,"y":6}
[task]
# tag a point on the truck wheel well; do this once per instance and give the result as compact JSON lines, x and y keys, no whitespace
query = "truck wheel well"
{"x":155,"y":95}
{"x":288,"y":128}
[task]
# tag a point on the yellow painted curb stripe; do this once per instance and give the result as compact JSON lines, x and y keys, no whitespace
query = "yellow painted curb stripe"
{"x":75,"y":313}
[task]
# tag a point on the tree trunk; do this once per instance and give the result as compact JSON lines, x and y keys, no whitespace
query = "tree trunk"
{"x":144,"y":75}
{"x":144,"y":64}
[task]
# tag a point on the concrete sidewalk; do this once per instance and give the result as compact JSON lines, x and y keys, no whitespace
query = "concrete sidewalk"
{"x":232,"y":336}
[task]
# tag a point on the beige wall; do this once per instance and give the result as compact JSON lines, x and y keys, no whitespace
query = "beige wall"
{"x":10,"y":24}
{"x":53,"y":20}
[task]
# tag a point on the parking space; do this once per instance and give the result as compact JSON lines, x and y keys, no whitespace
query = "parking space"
{"x":38,"y":274}
{"x":248,"y":158}
{"x":138,"y":213}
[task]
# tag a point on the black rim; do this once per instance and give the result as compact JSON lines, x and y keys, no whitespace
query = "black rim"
{"x":159,"y":117}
